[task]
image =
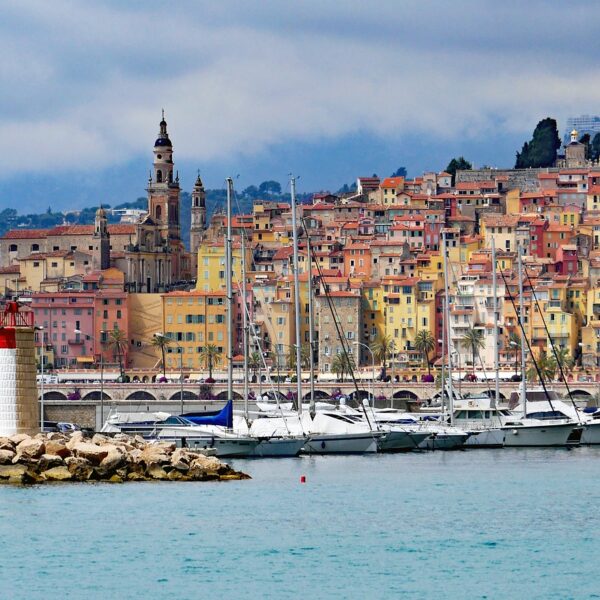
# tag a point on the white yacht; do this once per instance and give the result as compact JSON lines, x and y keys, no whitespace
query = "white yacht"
{"x":163,"y":426}
{"x":435,"y":435}
{"x":482,"y":419}
{"x":275,"y":436}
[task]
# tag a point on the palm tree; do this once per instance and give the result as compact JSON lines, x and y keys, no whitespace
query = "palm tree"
{"x":211,"y":356}
{"x":514,"y":341}
{"x":546,"y":365}
{"x":564,"y":361}
{"x":382,"y":349}
{"x":117,"y":340}
{"x":425,"y":344}
{"x":304,"y":357}
{"x":342,"y":364}
{"x":473,"y":340}
{"x":254,"y":362}
{"x":161,"y":342}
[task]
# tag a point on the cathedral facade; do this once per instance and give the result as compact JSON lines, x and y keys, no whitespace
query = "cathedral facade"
{"x":156,"y":259}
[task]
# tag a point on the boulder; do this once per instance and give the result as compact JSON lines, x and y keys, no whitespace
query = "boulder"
{"x":6,"y":444}
{"x":80,"y":468}
{"x":174,"y":475}
{"x":57,"y":447}
{"x":180,"y":460}
{"x":154,"y":455}
{"x":58,"y":474}
{"x":113,"y":460}
{"x":122,"y":437}
{"x":8,"y":471}
{"x":100,"y":439}
{"x":76,"y":438}
{"x":57,"y":436}
{"x":135,"y":476}
{"x":167,"y":447}
{"x":48,"y":461}
{"x":6,"y":456}
{"x":156,"y":472}
{"x":31,"y":448}
{"x":134,"y":456}
{"x":115,"y":478}
{"x":95,"y":454}
{"x":18,"y":438}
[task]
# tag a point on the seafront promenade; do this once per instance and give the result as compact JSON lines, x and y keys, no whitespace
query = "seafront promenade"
{"x":59,"y":404}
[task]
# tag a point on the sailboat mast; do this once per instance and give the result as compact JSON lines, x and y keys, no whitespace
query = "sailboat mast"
{"x":443,"y":359}
{"x":522,"y":322}
{"x":229,"y":293}
{"x":496,"y":319}
{"x":245,"y":325}
{"x":296,"y":298}
{"x":311,"y":328}
{"x":447,"y":325}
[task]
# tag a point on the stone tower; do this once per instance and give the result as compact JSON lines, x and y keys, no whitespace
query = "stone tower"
{"x":101,"y":255}
{"x":575,"y":152}
{"x":163,"y":200}
{"x":198,"y":224}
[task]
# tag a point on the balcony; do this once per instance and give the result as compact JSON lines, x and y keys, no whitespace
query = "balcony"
{"x":76,"y":341}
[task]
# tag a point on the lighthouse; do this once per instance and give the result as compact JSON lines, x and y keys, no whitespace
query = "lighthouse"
{"x":19,"y":412}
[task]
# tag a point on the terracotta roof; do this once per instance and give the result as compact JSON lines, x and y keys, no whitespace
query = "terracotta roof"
{"x":24,"y":234}
{"x":13,"y":269}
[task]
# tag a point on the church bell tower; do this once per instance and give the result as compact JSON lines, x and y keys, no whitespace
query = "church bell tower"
{"x":198,"y":224}
{"x":101,"y":238}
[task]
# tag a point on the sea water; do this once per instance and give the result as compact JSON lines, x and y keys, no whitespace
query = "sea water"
{"x":510,"y":523}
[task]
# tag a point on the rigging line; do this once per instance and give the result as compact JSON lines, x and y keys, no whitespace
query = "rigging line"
{"x":257,"y":340}
{"x":477,"y":354}
{"x":553,"y":346}
{"x":524,"y":337}
{"x":341,"y":338}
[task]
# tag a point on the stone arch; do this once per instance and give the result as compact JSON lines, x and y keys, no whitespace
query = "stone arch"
{"x":95,"y":395}
{"x":358,"y":396}
{"x":54,"y":396}
{"x":223,"y":396}
{"x":579,"y":393}
{"x":319,"y":395}
{"x":140,"y":395}
{"x":187,"y":395}
{"x":405,"y":395}
{"x":491,"y":393}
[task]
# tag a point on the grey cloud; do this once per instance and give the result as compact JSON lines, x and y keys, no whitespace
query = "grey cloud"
{"x":83,"y":83}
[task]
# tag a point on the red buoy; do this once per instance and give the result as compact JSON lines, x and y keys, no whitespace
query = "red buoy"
{"x":303,"y":479}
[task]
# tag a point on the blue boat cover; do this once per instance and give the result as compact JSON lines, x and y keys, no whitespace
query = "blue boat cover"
{"x":224,"y":417}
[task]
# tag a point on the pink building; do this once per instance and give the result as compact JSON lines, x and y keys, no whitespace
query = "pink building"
{"x":77,"y":325}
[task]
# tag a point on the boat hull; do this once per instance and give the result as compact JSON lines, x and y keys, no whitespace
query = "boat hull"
{"x":401,"y":441}
{"x":591,"y":434}
{"x":343,"y":443}
{"x":486,"y":438}
{"x":278,"y":446}
{"x":541,"y":435}
{"x":444,"y":441}
{"x":224,"y":447}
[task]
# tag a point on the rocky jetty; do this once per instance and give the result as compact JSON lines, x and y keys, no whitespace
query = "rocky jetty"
{"x":58,"y":457}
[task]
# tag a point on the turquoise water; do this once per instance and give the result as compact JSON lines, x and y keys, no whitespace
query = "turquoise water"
{"x":477,"y":524}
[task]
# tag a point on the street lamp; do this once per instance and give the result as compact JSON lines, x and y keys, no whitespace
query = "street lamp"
{"x":159,"y":334}
{"x":40,"y":328}
{"x":78,"y":332}
{"x":372,"y":372}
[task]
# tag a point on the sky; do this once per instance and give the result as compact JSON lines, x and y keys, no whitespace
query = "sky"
{"x":326,"y":90}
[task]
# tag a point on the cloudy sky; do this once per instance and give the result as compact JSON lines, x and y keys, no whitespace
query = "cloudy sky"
{"x":328,"y":90}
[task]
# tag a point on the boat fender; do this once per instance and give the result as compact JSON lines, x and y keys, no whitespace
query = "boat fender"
{"x":515,"y":432}
{"x":323,"y":444}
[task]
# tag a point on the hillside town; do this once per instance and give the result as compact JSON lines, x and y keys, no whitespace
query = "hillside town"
{"x":100,"y":293}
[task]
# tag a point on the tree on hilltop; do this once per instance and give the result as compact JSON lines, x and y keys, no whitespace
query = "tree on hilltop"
{"x":595,"y":147}
{"x":585,"y":139}
{"x":399,"y":172}
{"x":458,"y":164}
{"x":270,"y":188}
{"x":541,"y":150}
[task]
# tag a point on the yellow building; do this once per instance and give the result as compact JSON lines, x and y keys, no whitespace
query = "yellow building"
{"x":43,"y":272}
{"x":211,"y":266}
{"x":373,"y":312}
{"x":192,"y":320}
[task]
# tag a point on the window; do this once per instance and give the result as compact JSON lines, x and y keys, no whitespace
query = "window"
{"x":119,"y":314}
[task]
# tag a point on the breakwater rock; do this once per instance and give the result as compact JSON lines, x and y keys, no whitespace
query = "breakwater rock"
{"x":56,"y":457}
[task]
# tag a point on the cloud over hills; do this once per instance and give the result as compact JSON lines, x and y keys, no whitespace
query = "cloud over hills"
{"x":83,"y":83}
